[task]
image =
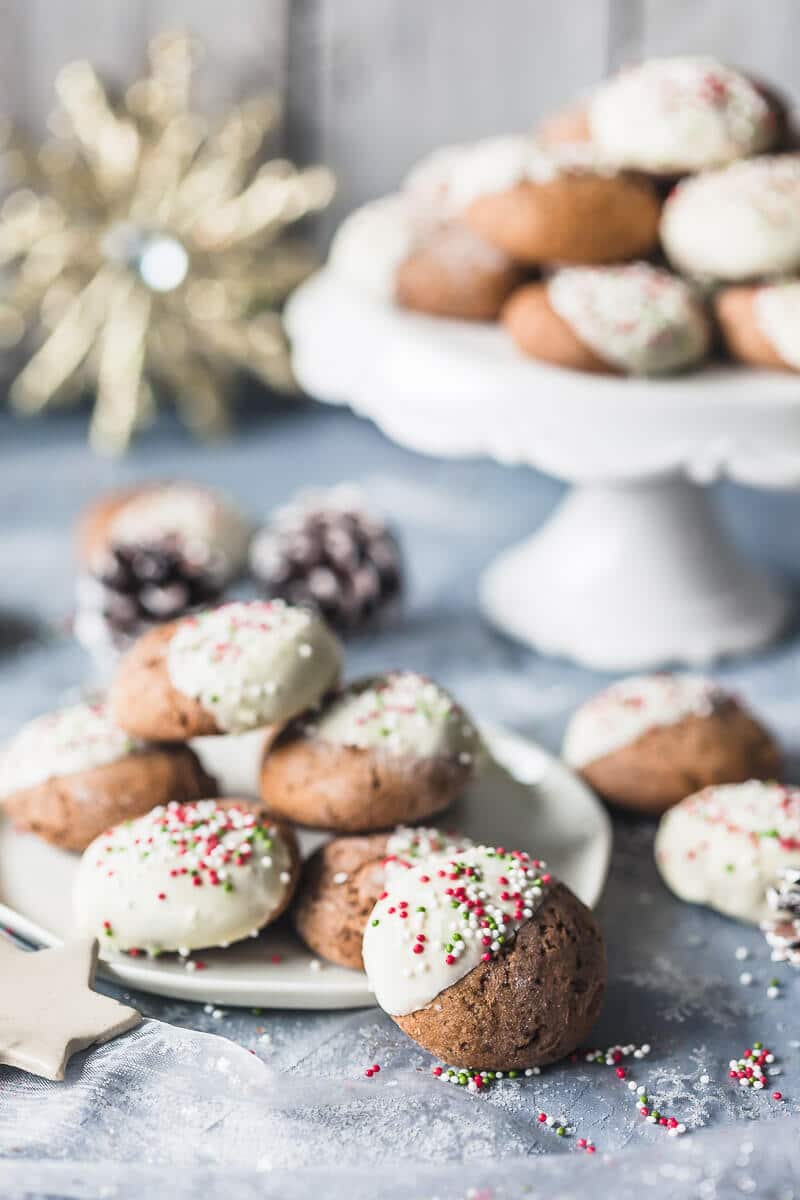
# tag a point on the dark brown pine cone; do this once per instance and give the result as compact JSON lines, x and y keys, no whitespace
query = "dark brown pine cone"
{"x":326,"y":551}
{"x":141,"y":586}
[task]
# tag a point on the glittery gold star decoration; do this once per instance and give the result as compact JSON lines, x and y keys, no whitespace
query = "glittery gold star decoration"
{"x":48,"y":1011}
{"x":145,"y":250}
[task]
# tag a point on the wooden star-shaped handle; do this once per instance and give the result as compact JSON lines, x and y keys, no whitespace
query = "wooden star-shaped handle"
{"x":48,"y":1010}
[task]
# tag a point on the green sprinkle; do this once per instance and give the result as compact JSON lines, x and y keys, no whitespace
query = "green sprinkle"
{"x":730,"y":868}
{"x":375,"y":922}
{"x":513,"y":1074}
{"x":561,"y":1131}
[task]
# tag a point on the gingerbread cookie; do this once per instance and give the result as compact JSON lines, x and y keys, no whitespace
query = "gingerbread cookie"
{"x":543,"y":204}
{"x":649,"y":741}
{"x":344,"y":879}
{"x":454,"y":273}
{"x":672,"y":116}
{"x":761,"y":325}
{"x":228,"y":670}
{"x":71,"y":774}
{"x":203,"y":524}
{"x":185,"y":877}
{"x":372,"y":242}
{"x":633,"y":319}
{"x":726,"y":846}
{"x":486,"y":960}
{"x":391,"y":749}
{"x":738,"y":223}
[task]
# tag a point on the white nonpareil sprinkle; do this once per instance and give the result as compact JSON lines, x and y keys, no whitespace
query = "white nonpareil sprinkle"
{"x":745,"y":978}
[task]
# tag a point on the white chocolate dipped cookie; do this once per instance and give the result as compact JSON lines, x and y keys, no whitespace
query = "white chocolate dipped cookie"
{"x":396,"y":249}
{"x":634,"y":319}
{"x":344,"y":879}
{"x":70,"y":774}
{"x":201,"y":522}
{"x":737,"y":223}
{"x":69,"y":741}
{"x":671,"y":116}
{"x":229,"y":670}
{"x":390,"y":749}
{"x":484,"y":959}
{"x":761,"y":324}
{"x":648,"y":741}
{"x":372,"y":242}
{"x":185,"y":877}
{"x":726,"y":846}
{"x":551,"y":203}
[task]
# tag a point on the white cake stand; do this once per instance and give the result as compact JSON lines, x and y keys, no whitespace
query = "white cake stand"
{"x":632,"y":570}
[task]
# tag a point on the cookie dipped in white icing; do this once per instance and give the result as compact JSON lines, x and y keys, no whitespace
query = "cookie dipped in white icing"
{"x":184,"y":877}
{"x":738,"y":223}
{"x":253,"y":664}
{"x":372,"y":242}
{"x":462,"y":174}
{"x":623,"y":712}
{"x":637,"y":318}
{"x":440,"y":919}
{"x":400,"y":713}
{"x":204,"y":523}
{"x":675,"y":115}
{"x":777,"y":312}
{"x":725,"y":846}
{"x":67,"y":742}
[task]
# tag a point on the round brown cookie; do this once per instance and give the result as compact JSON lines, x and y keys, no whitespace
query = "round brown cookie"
{"x":238,"y":667}
{"x":93,"y":533}
{"x":186,"y":877}
{"x":682,"y":114}
{"x":541,"y":333}
{"x":144,"y":701}
{"x":759,"y":324}
{"x":577,"y":216}
{"x":648,"y":742}
{"x":455,"y":273}
{"x":343,"y":880}
{"x":199,"y":520}
{"x":71,"y":774}
{"x":70,"y":812}
{"x":631,"y":319}
{"x":338,"y":889}
{"x":389,"y":750}
{"x":531,"y":1005}
{"x":485,"y":959}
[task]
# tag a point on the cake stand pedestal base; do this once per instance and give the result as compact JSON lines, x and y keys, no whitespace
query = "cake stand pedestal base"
{"x":630,"y":576}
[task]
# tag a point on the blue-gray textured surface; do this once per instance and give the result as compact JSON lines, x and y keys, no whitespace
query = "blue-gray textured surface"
{"x":167,"y":1113}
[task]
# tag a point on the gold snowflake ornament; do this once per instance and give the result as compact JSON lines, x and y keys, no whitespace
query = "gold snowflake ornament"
{"x":145,"y":252}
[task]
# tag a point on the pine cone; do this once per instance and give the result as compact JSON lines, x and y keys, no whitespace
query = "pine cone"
{"x":326,"y":551}
{"x":141,"y":586}
{"x":782,"y":930}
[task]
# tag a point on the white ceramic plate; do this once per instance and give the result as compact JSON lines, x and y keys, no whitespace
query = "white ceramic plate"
{"x":526,"y":798}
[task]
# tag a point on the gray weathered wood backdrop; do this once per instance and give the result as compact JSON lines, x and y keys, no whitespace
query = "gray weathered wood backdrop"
{"x":371,"y":84}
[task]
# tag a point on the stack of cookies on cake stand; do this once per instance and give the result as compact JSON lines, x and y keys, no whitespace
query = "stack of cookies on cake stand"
{"x":612,"y":298}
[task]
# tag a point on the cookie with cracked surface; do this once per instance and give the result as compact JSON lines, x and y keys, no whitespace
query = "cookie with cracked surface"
{"x":231,"y":669}
{"x":388,"y":750}
{"x":485,"y":960}
{"x":71,"y":774}
{"x":344,"y":879}
{"x":647,"y":742}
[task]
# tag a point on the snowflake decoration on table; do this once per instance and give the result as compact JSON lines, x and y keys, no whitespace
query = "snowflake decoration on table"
{"x":145,"y":249}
